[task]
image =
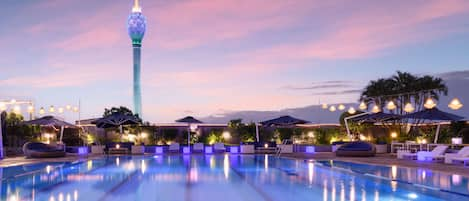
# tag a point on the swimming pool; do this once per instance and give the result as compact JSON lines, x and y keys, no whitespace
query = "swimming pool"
{"x":203,"y":178}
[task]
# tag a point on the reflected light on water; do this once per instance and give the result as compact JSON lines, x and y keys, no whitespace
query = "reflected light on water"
{"x":266,"y":163}
{"x":48,"y":168}
{"x":75,"y":195}
{"x":376,"y":195}
{"x":143,"y":166}
{"x":456,"y":179}
{"x":69,"y":198}
{"x":311,"y":172}
{"x":226,"y":166}
{"x":424,"y":174}
{"x":342,"y":191}
{"x":352,"y":190}
{"x":89,"y":165}
{"x":117,"y":161}
{"x":363,"y":194}
{"x":394,"y":185}
{"x":61,"y":197}
{"x":325,"y":191}
{"x":333,"y":190}
{"x":212,"y":162}
{"x":393,"y":172}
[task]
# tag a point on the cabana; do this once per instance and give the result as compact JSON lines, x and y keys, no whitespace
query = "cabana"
{"x":51,"y":121}
{"x":118,"y":120}
{"x":283,"y":121}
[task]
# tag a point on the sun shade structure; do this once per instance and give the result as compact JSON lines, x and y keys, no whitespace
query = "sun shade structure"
{"x":376,"y":117}
{"x":433,"y":115}
{"x":189,"y":120}
{"x":116,"y":120}
{"x":283,"y":121}
{"x":51,"y":121}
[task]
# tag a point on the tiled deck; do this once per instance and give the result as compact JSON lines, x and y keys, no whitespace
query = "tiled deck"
{"x":380,"y":159}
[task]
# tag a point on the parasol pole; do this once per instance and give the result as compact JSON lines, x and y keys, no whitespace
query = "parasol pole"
{"x":1,"y":137}
{"x":189,"y":135}
{"x":437,"y":133}
{"x":257,"y":132}
{"x":61,"y":133}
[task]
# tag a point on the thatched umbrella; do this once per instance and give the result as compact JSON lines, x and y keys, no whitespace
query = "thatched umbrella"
{"x":117,"y":120}
{"x":283,"y":121}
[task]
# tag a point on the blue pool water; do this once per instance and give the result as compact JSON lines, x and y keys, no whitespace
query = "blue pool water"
{"x":211,"y":178}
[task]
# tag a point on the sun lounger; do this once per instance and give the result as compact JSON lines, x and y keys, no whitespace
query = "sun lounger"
{"x":464,"y":160}
{"x":436,"y":153}
{"x":219,"y":147}
{"x":198,"y":147}
{"x":174,"y":147}
{"x":41,"y":150}
{"x":464,"y":152}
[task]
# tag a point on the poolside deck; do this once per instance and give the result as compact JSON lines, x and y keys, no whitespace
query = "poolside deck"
{"x":379,"y":159}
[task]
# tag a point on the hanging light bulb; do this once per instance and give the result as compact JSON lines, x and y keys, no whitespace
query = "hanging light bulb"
{"x":61,"y":110}
{"x":375,"y":109}
{"x":42,"y":111}
{"x":391,"y":105}
{"x":68,"y":107}
{"x":51,"y":109}
{"x":455,"y":104}
{"x":3,"y":106}
{"x":409,"y":107}
{"x":351,"y":110}
{"x":332,"y":108}
{"x":324,"y":106}
{"x":429,"y":103}
{"x":75,"y":109}
{"x":17,"y":109}
{"x":341,"y":107}
{"x":362,"y":106}
{"x":30,"y":109}
{"x":13,"y":101}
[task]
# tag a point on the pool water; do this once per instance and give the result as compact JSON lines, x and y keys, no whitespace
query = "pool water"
{"x":203,"y":178}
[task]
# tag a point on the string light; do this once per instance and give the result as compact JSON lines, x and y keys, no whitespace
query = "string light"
{"x":455,"y":104}
{"x":61,"y":110}
{"x":324,"y":106}
{"x":75,"y":109}
{"x":351,"y":110}
{"x":68,"y":107}
{"x":332,"y":108}
{"x":409,"y":107}
{"x":375,"y":109}
{"x":51,"y":109}
{"x":362,"y":106}
{"x":30,"y":109}
{"x":42,"y":111}
{"x":391,"y":105}
{"x":429,"y":103}
{"x":341,"y":107}
{"x":17,"y":109}
{"x":3,"y":106}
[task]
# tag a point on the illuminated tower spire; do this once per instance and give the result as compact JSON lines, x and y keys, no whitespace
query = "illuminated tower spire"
{"x":136,"y":26}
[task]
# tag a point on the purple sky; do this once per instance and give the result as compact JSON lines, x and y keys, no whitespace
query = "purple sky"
{"x":209,"y":57}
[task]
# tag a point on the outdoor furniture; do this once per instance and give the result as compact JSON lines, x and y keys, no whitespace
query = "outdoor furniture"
{"x":464,"y":160}
{"x":120,"y":150}
{"x":41,"y":150}
{"x":219,"y":147}
{"x":285,"y":148}
{"x":356,"y":149}
{"x":436,"y":153}
{"x":97,"y":149}
{"x":462,"y":153}
{"x":174,"y":147}
{"x":198,"y":147}
{"x":138,"y":149}
{"x":246,"y":149}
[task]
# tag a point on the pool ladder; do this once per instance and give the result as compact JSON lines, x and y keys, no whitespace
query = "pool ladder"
{"x":278,"y":152}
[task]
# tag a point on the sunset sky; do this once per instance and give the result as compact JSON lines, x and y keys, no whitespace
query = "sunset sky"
{"x":207,"y":57}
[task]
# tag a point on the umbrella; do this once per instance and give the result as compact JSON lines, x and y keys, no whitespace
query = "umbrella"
{"x":189,"y":120}
{"x":115,"y":120}
{"x":51,"y":121}
{"x":433,"y":114}
{"x":280,"y":121}
{"x":375,"y":117}
{"x":283,"y":121}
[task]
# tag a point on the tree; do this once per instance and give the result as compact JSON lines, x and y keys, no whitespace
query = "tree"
{"x":403,"y":88}
{"x":121,"y":109}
